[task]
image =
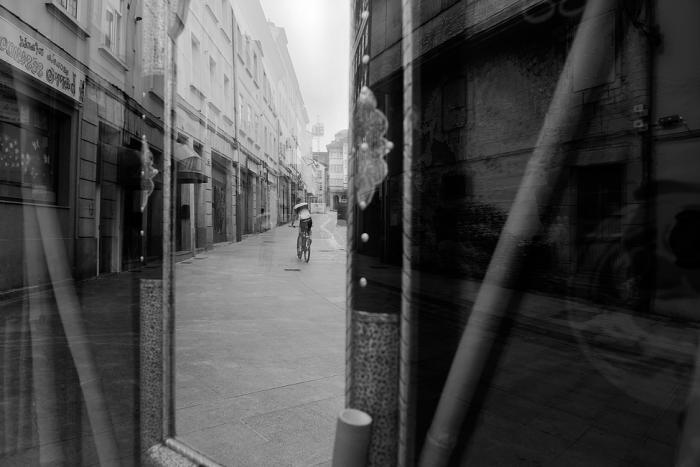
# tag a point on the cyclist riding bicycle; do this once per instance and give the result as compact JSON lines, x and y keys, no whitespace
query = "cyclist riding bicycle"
{"x":304,"y":215}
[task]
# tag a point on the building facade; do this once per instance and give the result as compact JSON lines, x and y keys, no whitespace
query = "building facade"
{"x":322,"y":176}
{"x":73,"y":68}
{"x":294,"y":142}
{"x":241,"y":111}
{"x":82,"y":180}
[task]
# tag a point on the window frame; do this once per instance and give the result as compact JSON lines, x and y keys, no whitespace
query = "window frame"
{"x":114,"y":34}
{"x":62,"y":136}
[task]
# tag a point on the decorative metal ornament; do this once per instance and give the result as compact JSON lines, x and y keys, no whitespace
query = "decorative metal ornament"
{"x":148,"y":172}
{"x":370,"y":146}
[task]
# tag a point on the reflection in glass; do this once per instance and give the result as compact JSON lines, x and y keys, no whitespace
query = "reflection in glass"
{"x":543,"y":270}
{"x":523,"y":282}
{"x":77,"y":128}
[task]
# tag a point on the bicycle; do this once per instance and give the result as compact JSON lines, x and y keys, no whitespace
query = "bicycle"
{"x":303,"y":245}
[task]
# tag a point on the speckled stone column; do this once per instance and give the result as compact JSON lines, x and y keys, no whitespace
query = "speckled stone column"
{"x":151,"y":370}
{"x":373,"y":387}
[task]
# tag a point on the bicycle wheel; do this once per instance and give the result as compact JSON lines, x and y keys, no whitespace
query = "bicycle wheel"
{"x":307,"y":250}
{"x":299,"y":247}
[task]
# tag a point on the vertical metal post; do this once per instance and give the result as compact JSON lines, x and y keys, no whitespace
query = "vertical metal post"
{"x":407,"y":323}
{"x":175,"y":20}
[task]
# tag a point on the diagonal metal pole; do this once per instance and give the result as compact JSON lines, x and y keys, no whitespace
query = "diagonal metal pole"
{"x":69,"y":311}
{"x":542,"y":171}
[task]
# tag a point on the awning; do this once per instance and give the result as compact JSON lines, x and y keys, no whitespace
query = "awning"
{"x":190,"y":168}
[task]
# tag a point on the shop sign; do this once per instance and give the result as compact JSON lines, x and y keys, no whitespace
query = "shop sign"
{"x":25,"y":53}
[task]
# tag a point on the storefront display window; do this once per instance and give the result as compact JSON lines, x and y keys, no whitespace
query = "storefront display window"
{"x":31,"y":145}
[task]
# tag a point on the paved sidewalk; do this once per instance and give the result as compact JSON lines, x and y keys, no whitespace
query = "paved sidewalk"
{"x":260,"y":348}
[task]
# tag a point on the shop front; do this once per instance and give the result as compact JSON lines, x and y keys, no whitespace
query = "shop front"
{"x":189,"y":177}
{"x":218,"y":199}
{"x":37,"y":147}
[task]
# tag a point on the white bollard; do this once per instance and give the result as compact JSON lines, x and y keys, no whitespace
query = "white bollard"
{"x":352,"y":438}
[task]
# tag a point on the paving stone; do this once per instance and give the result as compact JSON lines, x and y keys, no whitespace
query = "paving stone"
{"x":261,"y":350}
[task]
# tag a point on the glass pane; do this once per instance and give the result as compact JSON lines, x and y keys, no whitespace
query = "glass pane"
{"x":259,"y":318}
{"x":81,"y":202}
{"x":534,"y":235}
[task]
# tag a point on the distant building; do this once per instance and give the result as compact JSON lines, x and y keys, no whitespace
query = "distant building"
{"x":317,"y":132}
{"x":323,"y":193}
{"x":338,"y":168}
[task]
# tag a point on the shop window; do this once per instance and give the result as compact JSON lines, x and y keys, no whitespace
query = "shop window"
{"x":33,"y":144}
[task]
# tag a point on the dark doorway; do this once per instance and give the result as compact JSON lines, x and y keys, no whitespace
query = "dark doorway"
{"x":219,"y":203}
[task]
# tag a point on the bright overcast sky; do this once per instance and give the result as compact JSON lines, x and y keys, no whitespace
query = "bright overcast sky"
{"x":318,"y":32}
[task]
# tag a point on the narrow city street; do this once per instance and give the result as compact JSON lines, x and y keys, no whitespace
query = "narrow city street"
{"x":260,"y":345}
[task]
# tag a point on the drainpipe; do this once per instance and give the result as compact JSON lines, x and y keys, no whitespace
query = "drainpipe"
{"x":494,"y":297}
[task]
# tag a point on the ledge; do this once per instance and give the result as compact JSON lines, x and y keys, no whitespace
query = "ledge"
{"x":109,"y":55}
{"x":211,"y":12}
{"x":226,"y":34}
{"x":194,"y":88}
{"x":67,"y":20}
{"x":214,"y":106}
{"x":156,"y":94}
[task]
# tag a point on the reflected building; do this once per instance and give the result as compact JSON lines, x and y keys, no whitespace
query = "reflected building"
{"x":240,"y":117}
{"x":82,"y":178}
{"x":83,"y":182}
{"x":71,"y":136}
{"x":491,"y":84}
{"x":480,"y":122}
